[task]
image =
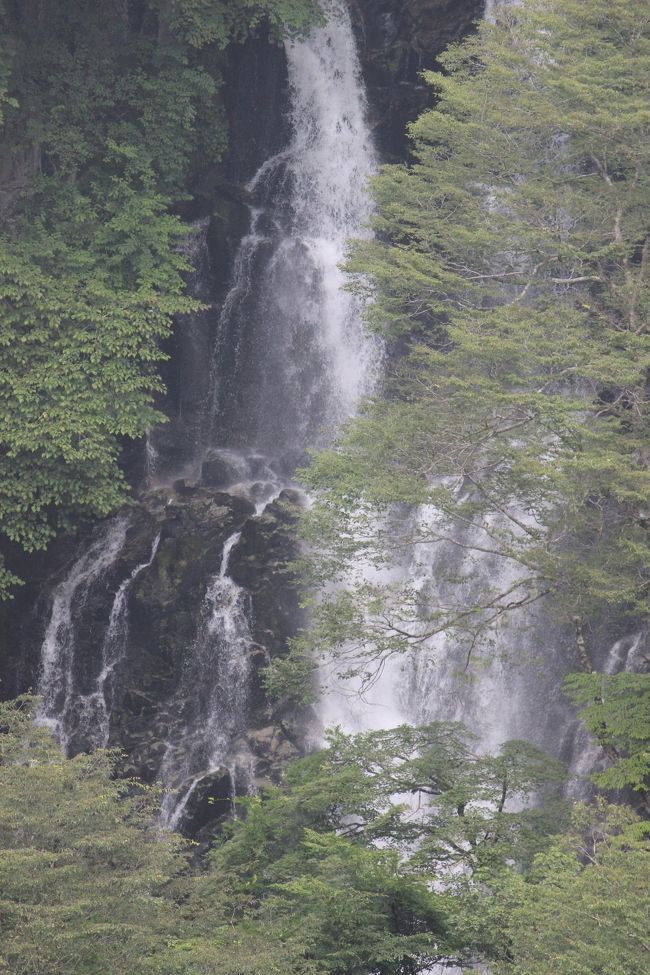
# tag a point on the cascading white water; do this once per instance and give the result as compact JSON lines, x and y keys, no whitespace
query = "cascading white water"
{"x":291,"y":362}
{"x":58,"y":684}
{"x":94,"y":708}
{"x":291,"y":358}
{"x":212,"y":696}
{"x":625,"y":655}
{"x":486,"y":686}
{"x":372,"y":698}
{"x":502,"y":695}
{"x":333,"y":157}
{"x":300,"y":361}
{"x":331,"y":142}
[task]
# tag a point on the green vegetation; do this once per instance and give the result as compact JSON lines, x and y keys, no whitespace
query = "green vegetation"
{"x":616,"y":710}
{"x":511,"y":276}
{"x":108,"y":111}
{"x":329,"y":873}
{"x":583,"y":908}
{"x":86,"y":880}
{"x":384,"y":852}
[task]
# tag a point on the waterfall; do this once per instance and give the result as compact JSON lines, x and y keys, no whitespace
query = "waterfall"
{"x":506,"y":691}
{"x":61,"y":684}
{"x":213,"y":695}
{"x":291,"y":362}
{"x":498,"y":687}
{"x":291,"y":358}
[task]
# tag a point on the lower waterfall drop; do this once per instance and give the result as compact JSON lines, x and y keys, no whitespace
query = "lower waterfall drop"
{"x":212,"y":697}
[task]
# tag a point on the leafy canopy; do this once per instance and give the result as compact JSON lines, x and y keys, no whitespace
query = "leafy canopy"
{"x":616,"y":710}
{"x":510,"y":276}
{"x":87,"y":882}
{"x":109,"y":111}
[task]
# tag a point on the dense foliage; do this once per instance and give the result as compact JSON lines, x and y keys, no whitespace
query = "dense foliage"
{"x":384,"y":852}
{"x":616,"y":710}
{"x":330,"y":873}
{"x":510,"y":278}
{"x":108,"y":109}
{"x":510,"y":273}
{"x":85,"y":877}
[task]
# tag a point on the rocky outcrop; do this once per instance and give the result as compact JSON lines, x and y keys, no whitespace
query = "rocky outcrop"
{"x":194,"y":521}
{"x":397,"y":41}
{"x":177,"y":536}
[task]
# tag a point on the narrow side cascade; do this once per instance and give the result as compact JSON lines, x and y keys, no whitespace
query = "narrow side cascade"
{"x":94,"y":709}
{"x":214,"y":688}
{"x":63,"y":686}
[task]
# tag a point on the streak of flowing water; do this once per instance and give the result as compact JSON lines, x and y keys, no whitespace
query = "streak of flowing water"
{"x":448,"y":678}
{"x":59,"y":683}
{"x":492,"y":8}
{"x":213,"y":695}
{"x":94,"y":709}
{"x":626,"y":655}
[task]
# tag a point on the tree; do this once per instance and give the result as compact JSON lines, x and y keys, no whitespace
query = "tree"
{"x":385,"y":852}
{"x":107,"y":115}
{"x":87,"y":881}
{"x":352,"y":864}
{"x":204,"y":22}
{"x":616,"y":710}
{"x":583,"y":908}
{"x":510,"y":275}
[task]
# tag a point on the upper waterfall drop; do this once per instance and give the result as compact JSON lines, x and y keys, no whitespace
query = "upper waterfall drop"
{"x":292,"y":359}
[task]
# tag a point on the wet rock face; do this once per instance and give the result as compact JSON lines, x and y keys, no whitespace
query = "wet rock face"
{"x":148,"y":696}
{"x":165,"y":613}
{"x":211,"y":803}
{"x":397,"y":40}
